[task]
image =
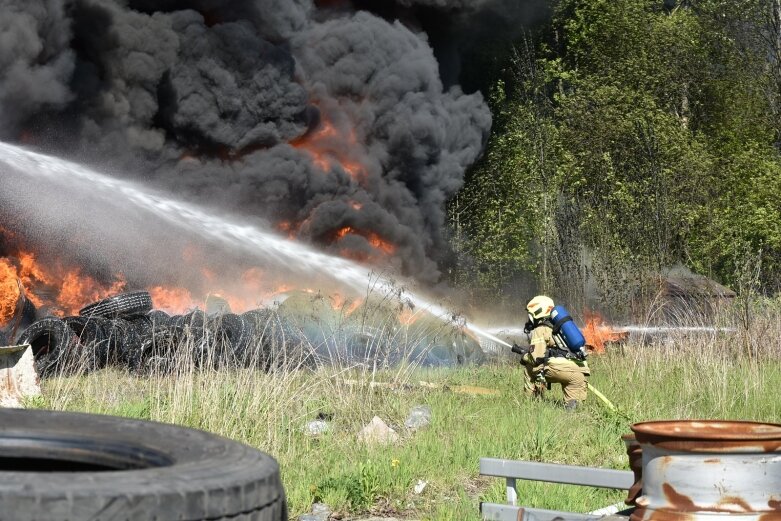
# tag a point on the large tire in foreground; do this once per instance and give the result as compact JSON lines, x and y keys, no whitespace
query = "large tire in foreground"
{"x":57,"y":465}
{"x":122,"y":305}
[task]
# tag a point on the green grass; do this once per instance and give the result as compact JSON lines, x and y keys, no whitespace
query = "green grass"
{"x":269,"y":411}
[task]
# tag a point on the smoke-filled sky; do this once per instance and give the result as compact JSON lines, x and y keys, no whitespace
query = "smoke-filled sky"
{"x":331,"y":123}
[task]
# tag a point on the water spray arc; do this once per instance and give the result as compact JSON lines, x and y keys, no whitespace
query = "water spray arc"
{"x":264,"y":246}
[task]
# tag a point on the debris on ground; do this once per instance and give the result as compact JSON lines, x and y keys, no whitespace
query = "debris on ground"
{"x":316,"y":428}
{"x":419,"y":417}
{"x":473,"y":390}
{"x":18,"y":378}
{"x":320,"y":512}
{"x":379,"y":518}
{"x":458,"y":389}
{"x":377,"y":431}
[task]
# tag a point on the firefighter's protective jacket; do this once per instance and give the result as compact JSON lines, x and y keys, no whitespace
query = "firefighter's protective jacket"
{"x":541,"y":340}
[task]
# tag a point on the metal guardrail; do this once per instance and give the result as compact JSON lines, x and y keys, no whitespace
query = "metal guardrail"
{"x":513,"y":470}
{"x":515,"y":513}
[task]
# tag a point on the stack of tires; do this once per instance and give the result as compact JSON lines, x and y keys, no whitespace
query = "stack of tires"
{"x":124,"y":331}
{"x":103,"y":333}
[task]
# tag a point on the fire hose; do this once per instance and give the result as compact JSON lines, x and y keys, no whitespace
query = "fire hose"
{"x":602,"y":397}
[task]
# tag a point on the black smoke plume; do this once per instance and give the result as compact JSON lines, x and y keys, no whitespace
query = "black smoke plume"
{"x":329,"y":122}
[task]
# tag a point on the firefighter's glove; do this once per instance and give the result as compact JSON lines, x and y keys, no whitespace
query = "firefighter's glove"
{"x":527,"y":328}
{"x":541,"y":360}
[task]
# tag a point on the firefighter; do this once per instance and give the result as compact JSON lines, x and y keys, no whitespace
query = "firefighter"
{"x":546,"y":363}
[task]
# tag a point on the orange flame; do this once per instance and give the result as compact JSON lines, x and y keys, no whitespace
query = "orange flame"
{"x":345,"y":305}
{"x":69,"y":288}
{"x":30,"y":273}
{"x":172,"y":300}
{"x":77,"y":290}
{"x":371,"y":237}
{"x":376,"y":241}
{"x":598,"y":333}
{"x":65,"y":290}
{"x":254,"y":289}
{"x":330,"y":147}
{"x":289,"y":228}
{"x":408,"y":316}
{"x":9,"y":291}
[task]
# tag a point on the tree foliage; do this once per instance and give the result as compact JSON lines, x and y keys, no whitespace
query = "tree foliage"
{"x":629,"y":137}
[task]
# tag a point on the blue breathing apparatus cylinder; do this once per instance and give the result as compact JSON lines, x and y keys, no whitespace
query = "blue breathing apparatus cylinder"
{"x":566,"y":333}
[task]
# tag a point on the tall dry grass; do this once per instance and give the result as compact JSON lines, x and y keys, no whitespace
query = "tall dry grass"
{"x":706,"y":373}
{"x":282,"y":379}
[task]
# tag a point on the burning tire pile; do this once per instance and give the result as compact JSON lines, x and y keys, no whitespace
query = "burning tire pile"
{"x":124,"y":331}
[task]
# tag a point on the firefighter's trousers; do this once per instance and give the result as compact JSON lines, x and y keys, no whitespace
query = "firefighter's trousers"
{"x":572,"y":377}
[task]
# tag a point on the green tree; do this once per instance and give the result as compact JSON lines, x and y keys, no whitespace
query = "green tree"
{"x":632,"y":136}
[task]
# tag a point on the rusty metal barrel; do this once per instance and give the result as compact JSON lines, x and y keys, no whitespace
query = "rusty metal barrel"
{"x":696,"y":470}
{"x":635,"y":454}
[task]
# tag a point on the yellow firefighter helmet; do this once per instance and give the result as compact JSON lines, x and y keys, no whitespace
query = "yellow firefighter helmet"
{"x":539,"y":307}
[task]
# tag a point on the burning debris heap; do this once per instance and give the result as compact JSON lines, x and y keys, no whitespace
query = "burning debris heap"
{"x":327,"y":121}
{"x":305,"y":330}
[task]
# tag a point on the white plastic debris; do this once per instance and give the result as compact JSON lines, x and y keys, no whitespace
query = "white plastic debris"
{"x":419,"y":417}
{"x":316,"y":427}
{"x":419,"y":486}
{"x":608,"y":510}
{"x":377,"y":431}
